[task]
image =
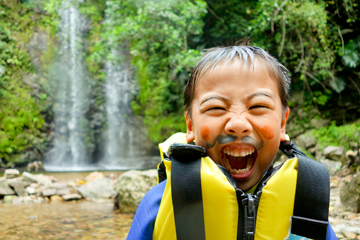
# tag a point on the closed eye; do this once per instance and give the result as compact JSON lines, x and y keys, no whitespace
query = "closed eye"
{"x":257,"y":106}
{"x":216,"y":109}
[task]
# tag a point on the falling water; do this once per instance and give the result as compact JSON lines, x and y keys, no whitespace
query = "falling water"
{"x":70,"y":123}
{"x":120,"y":131}
{"x":123,"y":144}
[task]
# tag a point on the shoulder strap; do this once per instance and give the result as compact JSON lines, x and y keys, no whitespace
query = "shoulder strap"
{"x":311,"y":207}
{"x":187,"y":198}
{"x":164,"y":147}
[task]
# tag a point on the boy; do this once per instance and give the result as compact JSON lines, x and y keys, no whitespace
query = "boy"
{"x":236,"y":111}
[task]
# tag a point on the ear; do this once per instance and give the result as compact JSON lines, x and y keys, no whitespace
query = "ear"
{"x":190,"y":135}
{"x":283,"y":125}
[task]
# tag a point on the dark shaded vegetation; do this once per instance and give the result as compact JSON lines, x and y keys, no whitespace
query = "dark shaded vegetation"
{"x":319,"y":41}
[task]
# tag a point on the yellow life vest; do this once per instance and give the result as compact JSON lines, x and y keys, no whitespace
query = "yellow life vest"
{"x":211,"y":206}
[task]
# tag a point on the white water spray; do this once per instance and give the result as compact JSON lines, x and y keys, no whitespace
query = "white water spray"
{"x":69,"y":146}
{"x":123,"y":144}
{"x":119,"y":145}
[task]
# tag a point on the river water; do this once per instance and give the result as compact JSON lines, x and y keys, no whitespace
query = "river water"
{"x":65,"y":220}
{"x":56,"y":220}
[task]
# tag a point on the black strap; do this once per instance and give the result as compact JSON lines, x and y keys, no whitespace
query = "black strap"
{"x":311,"y":207}
{"x":161,"y":172}
{"x":187,"y":198}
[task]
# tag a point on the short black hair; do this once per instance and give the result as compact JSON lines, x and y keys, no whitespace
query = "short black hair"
{"x":214,"y":56}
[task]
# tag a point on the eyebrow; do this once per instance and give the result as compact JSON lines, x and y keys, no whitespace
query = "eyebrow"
{"x":259,"y":94}
{"x":256,"y":94}
{"x":214,"y":97}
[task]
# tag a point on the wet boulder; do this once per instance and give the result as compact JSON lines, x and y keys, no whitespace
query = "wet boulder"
{"x":131,"y":187}
{"x":350,"y":194}
{"x":98,"y":188}
{"x":36,"y":178}
{"x":35,"y":166}
{"x":335,"y":153}
{"x":31,"y":190}
{"x":93,"y":176}
{"x":353,"y":158}
{"x":10,"y":198}
{"x":18,"y":185}
{"x":61,"y":188}
{"x":305,"y":141}
{"x":71,"y":197}
{"x":48,"y":192}
{"x":5,"y":189}
{"x":11,"y":173}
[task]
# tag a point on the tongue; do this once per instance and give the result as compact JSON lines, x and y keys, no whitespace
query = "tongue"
{"x":237,"y":162}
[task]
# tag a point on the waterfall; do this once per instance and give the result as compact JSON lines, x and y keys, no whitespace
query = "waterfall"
{"x":119,"y":143}
{"x":71,"y":97}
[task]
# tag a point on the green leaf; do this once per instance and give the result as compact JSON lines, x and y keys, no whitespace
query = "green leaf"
{"x":322,"y":100}
{"x":351,"y":55}
{"x":42,"y":96}
{"x":351,"y":59}
{"x":9,"y":150}
{"x":337,"y":84}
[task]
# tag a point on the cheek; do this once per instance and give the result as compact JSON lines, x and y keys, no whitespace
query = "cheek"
{"x":267,"y":132}
{"x":204,"y":132}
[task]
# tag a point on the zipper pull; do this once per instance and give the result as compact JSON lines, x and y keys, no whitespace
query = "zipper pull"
{"x":250,"y":203}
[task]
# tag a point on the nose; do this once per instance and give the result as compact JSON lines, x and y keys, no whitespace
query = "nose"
{"x":238,"y":124}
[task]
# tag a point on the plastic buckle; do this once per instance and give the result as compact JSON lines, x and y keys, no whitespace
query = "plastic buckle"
{"x":186,"y":152}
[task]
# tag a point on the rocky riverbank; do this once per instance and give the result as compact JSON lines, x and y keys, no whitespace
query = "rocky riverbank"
{"x":344,"y":220}
{"x":127,"y":190}
{"x":37,"y":188}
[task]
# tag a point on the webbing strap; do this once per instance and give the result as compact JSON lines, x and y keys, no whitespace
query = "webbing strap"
{"x":187,"y":198}
{"x":311,"y":207}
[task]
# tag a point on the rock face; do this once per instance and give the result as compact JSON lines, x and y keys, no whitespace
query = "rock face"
{"x":305,"y":141}
{"x":350,"y":194}
{"x":131,"y":188}
{"x":334,"y":153}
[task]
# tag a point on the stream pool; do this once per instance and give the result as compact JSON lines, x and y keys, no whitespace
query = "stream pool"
{"x":57,"y":220}
{"x":65,"y":220}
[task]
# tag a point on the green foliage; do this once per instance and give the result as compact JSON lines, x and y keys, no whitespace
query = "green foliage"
{"x":307,"y":36}
{"x":158,"y":34}
{"x":320,"y":98}
{"x":351,"y":56}
{"x":20,"y":114}
{"x":302,"y":38}
{"x":317,"y":40}
{"x":346,"y":135}
{"x":227,"y":21}
{"x":338,"y":84}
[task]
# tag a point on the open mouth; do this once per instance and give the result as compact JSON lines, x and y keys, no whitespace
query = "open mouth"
{"x":238,"y":160}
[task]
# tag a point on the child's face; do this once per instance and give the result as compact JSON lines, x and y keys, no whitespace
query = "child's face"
{"x":237,"y":116}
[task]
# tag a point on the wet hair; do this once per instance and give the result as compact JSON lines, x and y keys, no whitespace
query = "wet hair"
{"x":224,"y":55}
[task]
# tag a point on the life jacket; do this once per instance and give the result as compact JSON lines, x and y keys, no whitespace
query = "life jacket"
{"x":202,"y":201}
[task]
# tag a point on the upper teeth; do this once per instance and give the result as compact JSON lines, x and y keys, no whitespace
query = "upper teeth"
{"x":238,"y":152}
